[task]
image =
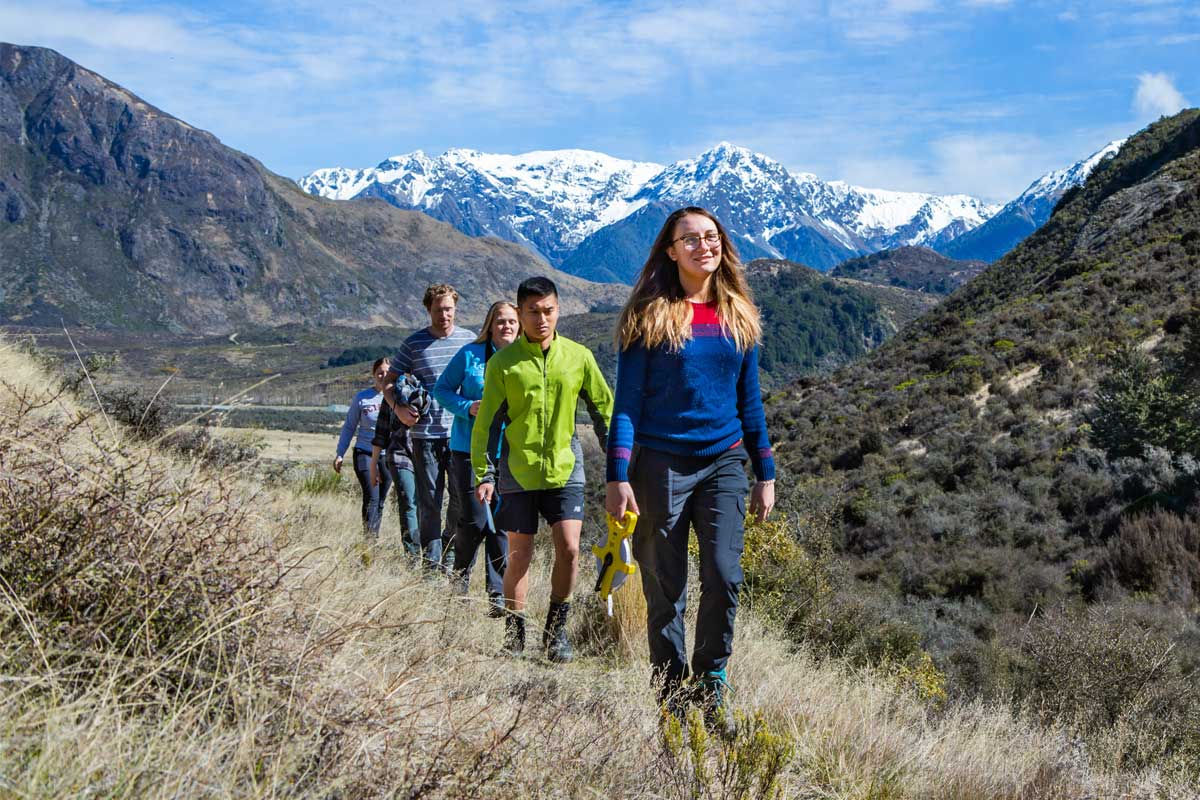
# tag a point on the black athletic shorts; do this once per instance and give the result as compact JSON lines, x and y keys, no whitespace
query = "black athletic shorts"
{"x":518,"y":512}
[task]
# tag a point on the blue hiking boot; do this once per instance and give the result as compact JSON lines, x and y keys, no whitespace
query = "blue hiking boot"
{"x":712,"y":696}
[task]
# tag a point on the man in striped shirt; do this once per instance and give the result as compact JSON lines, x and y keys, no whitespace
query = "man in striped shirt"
{"x":425,"y":355}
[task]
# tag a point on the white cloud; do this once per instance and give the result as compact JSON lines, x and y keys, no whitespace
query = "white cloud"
{"x":1157,"y":96}
{"x":995,"y":166}
{"x":879,"y":22}
{"x":104,"y":29}
{"x":1179,"y":38}
{"x":909,"y":6}
{"x":892,"y":22}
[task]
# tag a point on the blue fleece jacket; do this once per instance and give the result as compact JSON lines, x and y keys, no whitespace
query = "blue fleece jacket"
{"x":460,"y":385}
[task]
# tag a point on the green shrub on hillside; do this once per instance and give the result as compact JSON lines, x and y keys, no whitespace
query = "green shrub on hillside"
{"x":1157,"y":554}
{"x":1139,"y":404}
{"x":789,"y":569}
{"x":321,"y":480}
{"x":747,"y":766}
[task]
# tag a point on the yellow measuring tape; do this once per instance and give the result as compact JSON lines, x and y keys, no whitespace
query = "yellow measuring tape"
{"x":614,"y":561}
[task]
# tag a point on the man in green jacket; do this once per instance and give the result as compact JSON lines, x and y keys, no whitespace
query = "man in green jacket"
{"x":527,"y":414}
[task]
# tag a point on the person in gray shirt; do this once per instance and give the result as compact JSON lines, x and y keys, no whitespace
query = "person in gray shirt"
{"x":360,"y":419}
{"x":424,"y":355}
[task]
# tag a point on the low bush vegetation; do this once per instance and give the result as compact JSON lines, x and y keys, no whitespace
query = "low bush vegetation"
{"x":1111,"y":674}
{"x":199,"y":635}
{"x":1028,"y":446}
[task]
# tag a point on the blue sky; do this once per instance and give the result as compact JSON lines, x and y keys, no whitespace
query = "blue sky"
{"x":976,"y":96}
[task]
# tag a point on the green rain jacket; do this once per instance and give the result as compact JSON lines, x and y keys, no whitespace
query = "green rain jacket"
{"x":527,"y":414}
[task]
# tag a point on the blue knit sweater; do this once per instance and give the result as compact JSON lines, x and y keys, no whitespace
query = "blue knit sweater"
{"x":699,"y":401}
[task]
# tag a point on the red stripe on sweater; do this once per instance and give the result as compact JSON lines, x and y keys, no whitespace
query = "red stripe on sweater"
{"x":705,"y":314}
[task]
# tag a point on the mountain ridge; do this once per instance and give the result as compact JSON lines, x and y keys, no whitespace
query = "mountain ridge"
{"x":918,"y":268}
{"x":1026,"y":213}
{"x":117,"y":214}
{"x":554,"y":201}
{"x":784,"y":214}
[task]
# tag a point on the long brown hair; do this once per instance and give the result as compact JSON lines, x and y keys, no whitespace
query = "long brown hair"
{"x":485,"y":333}
{"x":657,"y":311}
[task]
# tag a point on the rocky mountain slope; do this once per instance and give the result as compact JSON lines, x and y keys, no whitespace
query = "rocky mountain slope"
{"x":965,"y":457}
{"x":116,"y":214}
{"x":887,"y":219}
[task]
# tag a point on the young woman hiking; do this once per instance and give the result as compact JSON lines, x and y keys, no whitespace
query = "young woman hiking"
{"x":687,"y":399}
{"x":360,"y":425}
{"x":458,"y":390}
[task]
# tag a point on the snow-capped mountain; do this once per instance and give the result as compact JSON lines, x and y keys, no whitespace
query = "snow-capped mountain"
{"x":886,"y":219}
{"x":552,"y":201}
{"x":1024,"y":215}
{"x":758,"y":200}
{"x":1054,"y":184}
{"x":755,"y":193}
{"x":546,"y":200}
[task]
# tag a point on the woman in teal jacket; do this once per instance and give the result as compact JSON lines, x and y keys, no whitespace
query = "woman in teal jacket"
{"x":458,"y":390}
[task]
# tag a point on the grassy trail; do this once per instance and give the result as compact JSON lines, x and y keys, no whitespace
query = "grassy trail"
{"x":357,"y":675}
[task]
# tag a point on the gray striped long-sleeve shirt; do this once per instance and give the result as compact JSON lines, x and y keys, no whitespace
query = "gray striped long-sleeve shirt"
{"x":425,"y":356}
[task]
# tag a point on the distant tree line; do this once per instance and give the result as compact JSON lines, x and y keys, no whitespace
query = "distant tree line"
{"x":358,"y":355}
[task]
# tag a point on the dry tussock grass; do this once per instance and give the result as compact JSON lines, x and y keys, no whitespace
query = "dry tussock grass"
{"x":363,"y":677}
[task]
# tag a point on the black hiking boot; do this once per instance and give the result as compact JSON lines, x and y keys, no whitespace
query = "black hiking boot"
{"x":674,"y":699}
{"x":554,"y":637}
{"x":514,"y":634}
{"x":495,"y":606}
{"x":712,"y":695}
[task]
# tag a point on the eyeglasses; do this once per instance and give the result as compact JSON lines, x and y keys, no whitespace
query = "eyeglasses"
{"x":692,"y":240}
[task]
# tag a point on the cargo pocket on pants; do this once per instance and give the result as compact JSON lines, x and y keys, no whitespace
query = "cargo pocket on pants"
{"x":737,"y":537}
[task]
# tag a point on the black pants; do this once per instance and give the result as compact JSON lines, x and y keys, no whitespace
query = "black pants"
{"x":373,"y":496}
{"x":473,"y":530}
{"x":675,"y":494}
